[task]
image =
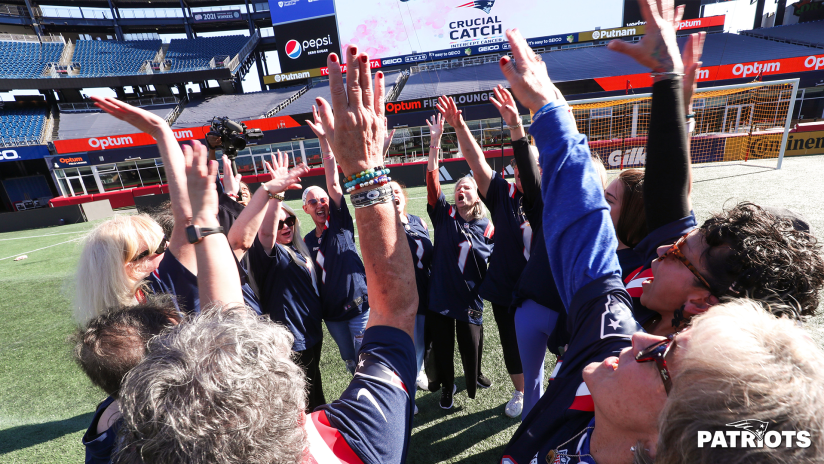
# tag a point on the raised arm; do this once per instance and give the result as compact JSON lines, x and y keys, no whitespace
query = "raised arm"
{"x":667,"y":181}
{"x":174,"y":165}
{"x":527,"y":164}
{"x":268,"y":228}
{"x":577,"y":228}
{"x":356,"y":132}
{"x":217,"y":275}
{"x":242,"y":234}
{"x":433,"y":181}
{"x":466,"y":143}
{"x":330,"y":165}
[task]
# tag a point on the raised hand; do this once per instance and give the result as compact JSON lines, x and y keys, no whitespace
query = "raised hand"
{"x":506,"y":105}
{"x":200,"y":176}
{"x":658,"y":49}
{"x":357,"y":129}
{"x":231,"y":182}
{"x":143,"y":120}
{"x":450,"y":111}
{"x":692,"y":64}
{"x":527,"y":75}
{"x":282,"y":177}
{"x":435,"y":124}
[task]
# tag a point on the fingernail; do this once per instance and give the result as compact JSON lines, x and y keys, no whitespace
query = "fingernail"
{"x":353,"y":50}
{"x":380,"y":74}
{"x":333,"y":57}
{"x":504,"y":59}
{"x":318,"y":101}
{"x":364,"y":58}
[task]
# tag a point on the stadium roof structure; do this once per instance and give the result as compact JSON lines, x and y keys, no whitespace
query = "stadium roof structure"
{"x":811,"y":33}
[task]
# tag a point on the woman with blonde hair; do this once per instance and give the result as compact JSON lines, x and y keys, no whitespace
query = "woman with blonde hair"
{"x":118,"y":255}
{"x":463,"y":243}
{"x":283,"y":270}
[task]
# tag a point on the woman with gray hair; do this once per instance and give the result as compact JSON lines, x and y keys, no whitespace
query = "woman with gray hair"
{"x":223,"y":386}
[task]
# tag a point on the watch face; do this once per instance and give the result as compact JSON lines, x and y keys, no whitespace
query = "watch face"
{"x":191,"y":234}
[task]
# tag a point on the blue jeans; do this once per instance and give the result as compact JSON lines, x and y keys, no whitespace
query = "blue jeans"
{"x":533,"y":325}
{"x":419,"y":341}
{"x":349,"y":336}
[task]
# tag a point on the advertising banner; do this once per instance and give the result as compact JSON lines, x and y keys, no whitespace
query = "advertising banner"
{"x":23,"y":153}
{"x":291,"y":76}
{"x":71,"y":161}
{"x":805,"y":143}
{"x":287,"y":11}
{"x":633,"y":17}
{"x":609,"y":34}
{"x":306,"y":44}
{"x":214,"y":16}
{"x":388,"y":28}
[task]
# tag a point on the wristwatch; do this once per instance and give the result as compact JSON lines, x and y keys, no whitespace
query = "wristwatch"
{"x":195,"y":234}
{"x":272,"y":196}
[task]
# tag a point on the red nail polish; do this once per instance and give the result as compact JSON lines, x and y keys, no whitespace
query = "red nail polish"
{"x":380,"y":74}
{"x":364,"y":58}
{"x":333,"y":57}
{"x":353,"y":50}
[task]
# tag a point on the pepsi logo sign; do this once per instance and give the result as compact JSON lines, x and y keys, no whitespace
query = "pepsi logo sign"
{"x":293,"y":49}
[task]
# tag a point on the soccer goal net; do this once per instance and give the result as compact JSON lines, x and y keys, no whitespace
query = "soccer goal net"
{"x":743,"y":123}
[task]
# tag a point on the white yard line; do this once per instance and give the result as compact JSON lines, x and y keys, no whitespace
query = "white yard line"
{"x":32,"y":251}
{"x":38,"y":236}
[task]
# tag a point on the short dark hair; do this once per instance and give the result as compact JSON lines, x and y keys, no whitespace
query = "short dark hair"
{"x":754,"y":253}
{"x":632,"y":222}
{"x":114,"y":342}
{"x":162,"y":214}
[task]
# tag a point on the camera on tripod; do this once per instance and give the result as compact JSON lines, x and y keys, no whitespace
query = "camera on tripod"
{"x":233,"y":135}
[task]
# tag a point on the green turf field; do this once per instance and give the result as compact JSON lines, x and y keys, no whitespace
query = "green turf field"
{"x":46,"y":403}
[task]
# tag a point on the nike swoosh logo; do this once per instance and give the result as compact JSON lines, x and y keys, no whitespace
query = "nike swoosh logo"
{"x":368,"y":395}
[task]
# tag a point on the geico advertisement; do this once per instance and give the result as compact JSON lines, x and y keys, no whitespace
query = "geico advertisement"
{"x":388,"y":28}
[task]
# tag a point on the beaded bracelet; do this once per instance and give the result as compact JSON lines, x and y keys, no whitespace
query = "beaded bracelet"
{"x":366,"y":175}
{"x":382,"y":180}
{"x":380,"y":195}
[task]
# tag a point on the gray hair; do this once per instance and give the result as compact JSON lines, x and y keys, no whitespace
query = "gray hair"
{"x":309,"y":189}
{"x":742,"y":363}
{"x":220,"y":387}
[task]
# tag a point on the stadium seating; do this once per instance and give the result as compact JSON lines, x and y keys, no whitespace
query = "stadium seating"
{"x":237,"y":107}
{"x":113,"y":58}
{"x":26,"y":60}
{"x":21,"y":125}
{"x":811,"y":33}
{"x":84,"y":125}
{"x":195,"y":54}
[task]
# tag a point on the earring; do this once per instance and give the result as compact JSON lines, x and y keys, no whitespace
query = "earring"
{"x":632,"y":448}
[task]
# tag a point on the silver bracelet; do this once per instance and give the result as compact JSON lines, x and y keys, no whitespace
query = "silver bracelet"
{"x":520,"y":124}
{"x":382,"y":194}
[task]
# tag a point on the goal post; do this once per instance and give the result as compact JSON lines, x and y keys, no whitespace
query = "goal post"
{"x":741,"y":123}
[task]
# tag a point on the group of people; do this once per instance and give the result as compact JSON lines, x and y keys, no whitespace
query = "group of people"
{"x":203,"y":323}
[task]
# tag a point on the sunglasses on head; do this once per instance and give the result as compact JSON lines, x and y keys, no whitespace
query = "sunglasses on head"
{"x":675,"y":251}
{"x":315,"y":201}
{"x":160,"y":250}
{"x":290,"y":221}
{"x":658,"y":352}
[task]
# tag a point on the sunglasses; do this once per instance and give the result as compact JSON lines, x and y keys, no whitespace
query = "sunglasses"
{"x":675,"y":251}
{"x":160,"y":250}
{"x":658,"y":352}
{"x":290,"y":221}
{"x":315,"y":201}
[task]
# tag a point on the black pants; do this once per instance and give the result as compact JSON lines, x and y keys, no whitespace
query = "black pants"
{"x":509,"y":342}
{"x":444,"y":330}
{"x":309,"y":361}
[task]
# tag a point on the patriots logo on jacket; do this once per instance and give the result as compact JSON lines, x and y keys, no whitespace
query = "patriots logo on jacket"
{"x":485,"y":5}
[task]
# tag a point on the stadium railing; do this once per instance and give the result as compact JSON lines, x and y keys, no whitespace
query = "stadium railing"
{"x":6,"y":37}
{"x":244,"y":52}
{"x":85,"y":107}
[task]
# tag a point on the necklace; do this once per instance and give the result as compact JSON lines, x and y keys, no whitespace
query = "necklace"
{"x":550,"y":457}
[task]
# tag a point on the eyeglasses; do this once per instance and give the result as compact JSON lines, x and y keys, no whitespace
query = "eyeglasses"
{"x":658,"y":352}
{"x":675,"y":250}
{"x":290,"y":221}
{"x":315,"y":201}
{"x":160,"y":250}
